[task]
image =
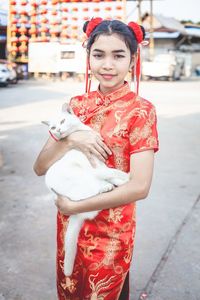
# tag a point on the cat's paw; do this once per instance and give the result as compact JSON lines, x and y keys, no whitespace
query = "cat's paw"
{"x":107,"y":187}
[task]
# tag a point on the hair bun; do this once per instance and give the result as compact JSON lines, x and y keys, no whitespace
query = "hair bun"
{"x":137,"y":30}
{"x":85,"y":25}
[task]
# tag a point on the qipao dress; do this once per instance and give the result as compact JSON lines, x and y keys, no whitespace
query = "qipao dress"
{"x":127,"y":123}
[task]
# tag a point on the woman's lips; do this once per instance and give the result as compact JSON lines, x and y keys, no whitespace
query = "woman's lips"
{"x":107,"y":76}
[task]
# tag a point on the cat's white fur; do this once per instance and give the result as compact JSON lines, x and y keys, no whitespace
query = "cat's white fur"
{"x":74,"y":177}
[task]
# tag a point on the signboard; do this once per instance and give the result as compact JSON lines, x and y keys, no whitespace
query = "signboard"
{"x":43,"y":57}
{"x":56,"y":57}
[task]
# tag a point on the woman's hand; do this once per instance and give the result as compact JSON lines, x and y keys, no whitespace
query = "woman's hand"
{"x":90,"y":143}
{"x":65,"y":205}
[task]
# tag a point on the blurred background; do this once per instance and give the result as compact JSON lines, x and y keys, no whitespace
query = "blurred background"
{"x":42,"y":64}
{"x":44,"y":38}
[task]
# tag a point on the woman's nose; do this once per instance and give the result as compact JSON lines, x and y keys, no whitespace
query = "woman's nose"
{"x":107,"y":64}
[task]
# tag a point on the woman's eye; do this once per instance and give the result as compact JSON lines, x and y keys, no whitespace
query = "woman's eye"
{"x":97,"y":55}
{"x":119,"y":56}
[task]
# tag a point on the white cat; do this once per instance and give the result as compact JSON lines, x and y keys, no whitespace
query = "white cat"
{"x":74,"y":177}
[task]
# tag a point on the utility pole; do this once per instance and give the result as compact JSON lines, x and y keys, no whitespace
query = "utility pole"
{"x":139,"y":12}
{"x":8,"y":38}
{"x":151,"y":39}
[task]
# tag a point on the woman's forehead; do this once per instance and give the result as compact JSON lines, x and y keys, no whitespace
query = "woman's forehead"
{"x":109,"y":43}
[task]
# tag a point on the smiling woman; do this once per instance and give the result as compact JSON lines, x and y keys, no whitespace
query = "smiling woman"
{"x":125,"y":139}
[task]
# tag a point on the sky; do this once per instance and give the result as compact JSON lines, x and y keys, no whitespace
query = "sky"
{"x":179,"y":9}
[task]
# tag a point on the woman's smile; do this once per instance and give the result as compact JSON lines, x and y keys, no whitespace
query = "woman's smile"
{"x":108,"y":76}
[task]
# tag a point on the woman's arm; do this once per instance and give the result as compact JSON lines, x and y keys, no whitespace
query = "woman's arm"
{"x":89,"y":142}
{"x":50,"y":153}
{"x":137,"y":188}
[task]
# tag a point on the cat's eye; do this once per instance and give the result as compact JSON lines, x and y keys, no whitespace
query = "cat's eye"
{"x":53,"y":127}
{"x":63,"y":121}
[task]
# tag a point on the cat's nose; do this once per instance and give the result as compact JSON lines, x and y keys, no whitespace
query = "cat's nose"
{"x":58,"y":130}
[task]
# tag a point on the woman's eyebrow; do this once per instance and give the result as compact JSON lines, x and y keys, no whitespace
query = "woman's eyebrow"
{"x":114,"y":51}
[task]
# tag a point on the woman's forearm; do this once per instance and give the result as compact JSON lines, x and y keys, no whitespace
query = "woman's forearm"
{"x":51,"y":152}
{"x":127,"y":193}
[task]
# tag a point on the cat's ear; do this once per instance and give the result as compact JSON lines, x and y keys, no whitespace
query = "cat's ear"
{"x":46,"y":123}
{"x":66,"y":107}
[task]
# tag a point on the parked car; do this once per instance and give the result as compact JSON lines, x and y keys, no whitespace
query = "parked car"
{"x":197,"y":70}
{"x":167,"y":66}
{"x":11,"y":66}
{"x":4,"y":75}
{"x":12,"y":74}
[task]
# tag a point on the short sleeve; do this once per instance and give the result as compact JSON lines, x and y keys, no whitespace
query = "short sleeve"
{"x":143,"y":133}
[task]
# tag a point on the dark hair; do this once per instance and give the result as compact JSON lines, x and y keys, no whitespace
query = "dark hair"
{"x":108,"y":27}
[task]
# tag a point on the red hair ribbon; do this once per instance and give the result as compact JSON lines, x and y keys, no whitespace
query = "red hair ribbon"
{"x":137,"y":31}
{"x":139,"y":37}
{"x":93,"y":23}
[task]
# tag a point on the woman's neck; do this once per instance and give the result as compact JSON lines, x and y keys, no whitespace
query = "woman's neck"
{"x":108,"y":90}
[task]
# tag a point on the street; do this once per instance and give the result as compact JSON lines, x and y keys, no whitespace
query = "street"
{"x":166,"y":260}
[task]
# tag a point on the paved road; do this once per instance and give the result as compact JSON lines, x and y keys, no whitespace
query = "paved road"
{"x":166,"y":262}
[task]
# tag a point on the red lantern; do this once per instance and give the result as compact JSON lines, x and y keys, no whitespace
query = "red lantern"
{"x":23,"y":21}
{"x":34,"y":3}
{"x":13,"y":2}
{"x":14,"y":29}
{"x":23,"y":48}
{"x":23,"y":12}
{"x":22,"y":30}
{"x":64,"y":18}
{"x":74,"y":18}
{"x":33,"y":21}
{"x":54,"y":2}
{"x":85,"y":8}
{"x":108,"y":8}
{"x":119,"y":7}
{"x":64,"y":27}
{"x":32,"y":13}
{"x":74,"y":36}
{"x":23,"y":2}
{"x":86,"y":18}
{"x":44,"y":2}
{"x":54,"y":22}
{"x":14,"y":39}
{"x":14,"y":21}
{"x":74,"y":27}
{"x":32,"y":31}
{"x":65,"y":9}
{"x":14,"y":50}
{"x":44,"y":20}
{"x":74,"y":9}
{"x":96,"y":9}
{"x":54,"y":12}
{"x":44,"y":39}
{"x":13,"y":11}
{"x":43,"y":29}
{"x":23,"y":38}
{"x":64,"y":35}
{"x":54,"y":30}
{"x":43,"y":11}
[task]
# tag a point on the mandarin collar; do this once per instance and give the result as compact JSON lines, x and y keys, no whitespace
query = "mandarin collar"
{"x":117,"y":94}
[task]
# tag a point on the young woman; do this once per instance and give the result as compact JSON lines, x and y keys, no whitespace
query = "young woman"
{"x":125,"y":138}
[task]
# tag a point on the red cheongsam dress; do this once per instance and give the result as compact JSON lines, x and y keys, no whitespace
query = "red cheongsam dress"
{"x":105,"y":245}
